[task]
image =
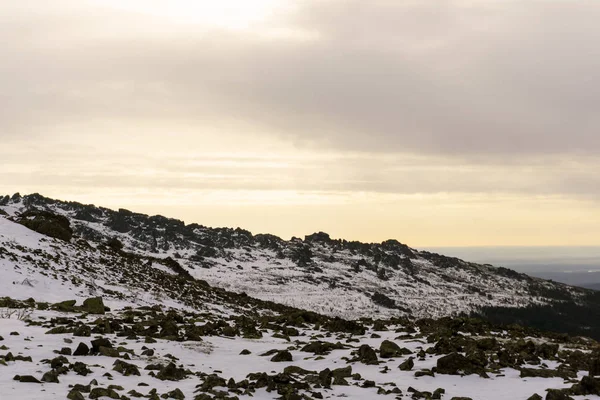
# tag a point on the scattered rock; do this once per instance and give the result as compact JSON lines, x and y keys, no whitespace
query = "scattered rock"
{"x":367,"y":355}
{"x":389,"y":349}
{"x":50,"y":377}
{"x":282,"y":356}
{"x":407,"y":365}
{"x":98,"y":392}
{"x":126,"y":369}
{"x":26,"y":379}
{"x":82,"y":350}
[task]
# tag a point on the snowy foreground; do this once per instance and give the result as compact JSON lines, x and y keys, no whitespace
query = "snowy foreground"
{"x":219,"y":356}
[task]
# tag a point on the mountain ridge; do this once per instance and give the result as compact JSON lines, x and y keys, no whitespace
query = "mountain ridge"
{"x":127,"y":306}
{"x":336,"y":277}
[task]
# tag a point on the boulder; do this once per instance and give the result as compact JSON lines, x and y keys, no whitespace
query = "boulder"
{"x":65,"y":306}
{"x":103,"y":392}
{"x":557,"y":394}
{"x":50,"y":377}
{"x":457,"y":364}
{"x":93,"y":305}
{"x":171,"y":373}
{"x":407,"y":365}
{"x":26,"y":379}
{"x":367,"y":355}
{"x":126,"y":369}
{"x":594,"y":369}
{"x":101,"y":342}
{"x":82,"y":350}
{"x":282,"y":356}
{"x":82,"y":331}
{"x":389,"y":349}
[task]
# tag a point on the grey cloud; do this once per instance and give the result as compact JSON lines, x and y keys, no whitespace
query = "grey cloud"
{"x":528,"y":83}
{"x":375,"y":173}
{"x":463,"y":78}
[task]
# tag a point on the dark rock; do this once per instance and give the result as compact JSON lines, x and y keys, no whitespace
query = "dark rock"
{"x":126,"y":369}
{"x":587,"y":385}
{"x":282,"y":356}
{"x":321,"y":348}
{"x":557,"y":394}
{"x":108,"y":352}
{"x":456,"y":364}
{"x":487,"y":344}
{"x":389,"y":349}
{"x":292,"y":369}
{"x":594,"y":369}
{"x":93,"y":305}
{"x":171,"y":373}
{"x":101,"y":342}
{"x":424,"y":372}
{"x":82,"y":331}
{"x":102,"y":392}
{"x":148,"y":352}
{"x":367,"y":355}
{"x":82,"y":350}
{"x":383,"y":300}
{"x":47,"y":223}
{"x":58,"y":362}
{"x":50,"y":377}
{"x":546,"y":351}
{"x":407,"y":365}
{"x":66,"y":351}
{"x":345,"y":372}
{"x":81,"y":369}
{"x":65,"y":306}
{"x":325,"y":377}
{"x":75,"y":395}
{"x":26,"y":379}
{"x":176,"y":394}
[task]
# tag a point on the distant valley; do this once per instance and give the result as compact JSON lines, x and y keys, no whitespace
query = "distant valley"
{"x":578,"y":266}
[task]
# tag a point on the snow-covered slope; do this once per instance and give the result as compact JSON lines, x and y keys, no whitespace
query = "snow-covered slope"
{"x":333,"y":277}
{"x":226,"y":367}
{"x":83,"y":317}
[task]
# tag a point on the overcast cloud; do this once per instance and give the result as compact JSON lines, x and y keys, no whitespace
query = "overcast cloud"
{"x":323,"y":96}
{"x":458,"y":78}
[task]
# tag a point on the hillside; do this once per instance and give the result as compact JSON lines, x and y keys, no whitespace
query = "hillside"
{"x":332,"y":277}
{"x":105,"y":304}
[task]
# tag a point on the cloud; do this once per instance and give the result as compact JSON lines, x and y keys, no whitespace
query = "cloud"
{"x":382,"y":96}
{"x":463,"y":78}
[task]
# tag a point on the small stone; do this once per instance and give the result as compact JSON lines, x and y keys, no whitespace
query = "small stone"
{"x":50,"y":377}
{"x":82,"y":350}
{"x":282,"y":356}
{"x":27,"y":379}
{"x":75,"y":395}
{"x":65,"y":351}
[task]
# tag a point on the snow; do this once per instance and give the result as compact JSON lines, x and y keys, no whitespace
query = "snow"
{"x":222,"y":354}
{"x":50,"y":270}
{"x":335,"y":288}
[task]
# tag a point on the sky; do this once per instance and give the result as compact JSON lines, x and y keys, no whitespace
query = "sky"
{"x":455,"y":123}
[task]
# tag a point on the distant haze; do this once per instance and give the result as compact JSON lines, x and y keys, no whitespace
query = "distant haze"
{"x":572,"y":265}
